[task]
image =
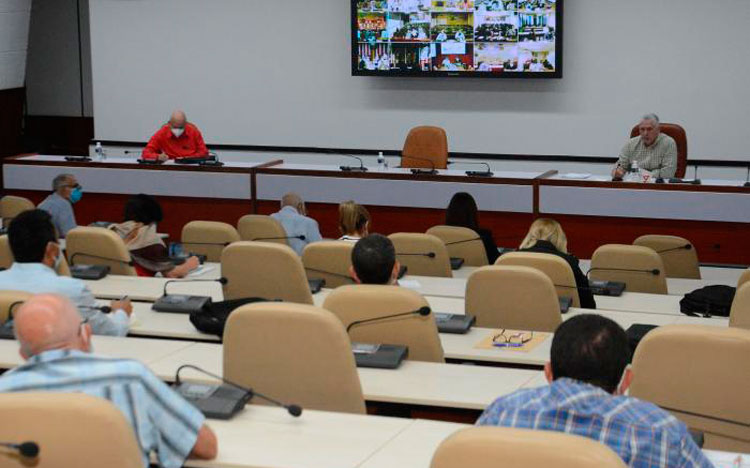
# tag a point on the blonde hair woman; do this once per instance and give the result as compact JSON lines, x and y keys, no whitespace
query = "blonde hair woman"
{"x":547,"y":236}
{"x":354,"y":221}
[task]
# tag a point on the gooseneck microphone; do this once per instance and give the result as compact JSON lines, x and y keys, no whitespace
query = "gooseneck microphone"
{"x":324,"y":272}
{"x":473,"y":239}
{"x":416,"y":171}
{"x":361,"y":167}
{"x":422,"y":311}
{"x":294,"y":410}
{"x":84,"y":254}
{"x":221,"y":280}
{"x":418,"y":254}
{"x":103,"y":309}
{"x":682,"y":247}
{"x":654,"y":271}
{"x":300,"y":237}
{"x":27,"y":449}
{"x":487,"y":173}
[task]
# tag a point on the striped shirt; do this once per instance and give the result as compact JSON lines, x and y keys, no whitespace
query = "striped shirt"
{"x":641,"y":433}
{"x":660,"y":159}
{"x":163,"y":421}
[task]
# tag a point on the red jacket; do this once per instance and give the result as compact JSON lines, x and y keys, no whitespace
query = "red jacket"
{"x":189,"y":144}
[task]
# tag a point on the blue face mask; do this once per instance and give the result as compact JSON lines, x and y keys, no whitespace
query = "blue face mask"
{"x":75,"y":195}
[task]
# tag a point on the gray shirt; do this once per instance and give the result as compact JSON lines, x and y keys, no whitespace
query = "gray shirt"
{"x":61,"y":211}
{"x":297,"y":225}
{"x":660,"y":159}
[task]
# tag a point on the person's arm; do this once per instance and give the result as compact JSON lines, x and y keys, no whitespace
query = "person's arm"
{"x":200,"y":145}
{"x":115,"y":323}
{"x":153,"y":149}
{"x":669,"y":162}
{"x":206,"y":446}
{"x":181,"y":271}
{"x":65,"y":221}
{"x":623,"y":161}
{"x":313,"y":232}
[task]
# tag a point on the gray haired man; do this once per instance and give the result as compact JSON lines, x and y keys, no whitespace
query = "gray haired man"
{"x":66,"y":191}
{"x":653,"y":150}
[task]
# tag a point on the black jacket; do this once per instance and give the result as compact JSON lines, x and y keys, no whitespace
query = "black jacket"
{"x":489,"y":244}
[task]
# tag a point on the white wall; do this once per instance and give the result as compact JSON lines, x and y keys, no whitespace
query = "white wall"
{"x":14,"y":39}
{"x":278,"y":73}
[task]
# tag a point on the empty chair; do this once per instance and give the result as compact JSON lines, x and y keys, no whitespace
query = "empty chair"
{"x":6,"y":255}
{"x":329,"y":261}
{"x":744,"y":278}
{"x":699,"y":374}
{"x":208,"y":238}
{"x":425,"y":147}
{"x":361,"y":302}
{"x":262,"y":269}
{"x":463,"y":243}
{"x":71,"y":429}
{"x":261,"y":227}
{"x":640,"y":268}
{"x":677,"y":132}
{"x":422,"y":254}
{"x":739,"y":315}
{"x":11,"y":206}
{"x":557,"y":269}
{"x":678,"y":255}
{"x":513,"y":297}
{"x":490,"y":447}
{"x":296,"y":353}
{"x":99,"y":246}
{"x":9,"y":302}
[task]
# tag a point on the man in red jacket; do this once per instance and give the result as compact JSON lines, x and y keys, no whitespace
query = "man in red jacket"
{"x":176,"y":140}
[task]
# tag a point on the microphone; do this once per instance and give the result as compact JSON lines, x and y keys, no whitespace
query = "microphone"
{"x":427,"y":254}
{"x":294,"y":410}
{"x":221,"y":280}
{"x":338,"y":275}
{"x":654,"y":272}
{"x":682,"y":247}
{"x":747,"y":179}
{"x":712,"y":418}
{"x":224,"y":244}
{"x":463,"y":241}
{"x":133,"y":151}
{"x":416,"y":171}
{"x":300,"y":237}
{"x":422,"y":311}
{"x":27,"y":449}
{"x":103,"y":309}
{"x":487,"y":173}
{"x":361,"y":167}
{"x":72,"y":258}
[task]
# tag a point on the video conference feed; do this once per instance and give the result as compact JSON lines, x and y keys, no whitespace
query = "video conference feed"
{"x":456,"y":36}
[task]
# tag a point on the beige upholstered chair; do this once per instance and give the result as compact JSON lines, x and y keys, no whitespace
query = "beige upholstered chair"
{"x":608,"y":261}
{"x":678,"y":255}
{"x":297,"y":353}
{"x":490,"y":447}
{"x":208,"y":238}
{"x":6,"y":255}
{"x":744,"y":278}
{"x":463,"y":243}
{"x":699,"y":373}
{"x":262,"y":269}
{"x":739,"y":315}
{"x":72,"y":430}
{"x":9,"y":302}
{"x":422,"y":254}
{"x":261,"y":227}
{"x":425,"y":143}
{"x":361,"y":302}
{"x":513,"y":297}
{"x":11,"y":206}
{"x":98,"y":246}
{"x":329,"y":261}
{"x":557,"y":269}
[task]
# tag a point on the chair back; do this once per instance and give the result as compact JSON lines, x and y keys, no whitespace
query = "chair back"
{"x":678,"y":255}
{"x":613,"y":262}
{"x":262,"y":269}
{"x":680,"y":138}
{"x":425,"y":143}
{"x":6,"y":255}
{"x":208,"y":238}
{"x":422,"y":254}
{"x":330,"y":261}
{"x":739,"y":315}
{"x":744,"y":278}
{"x":99,"y":246}
{"x":361,"y":302}
{"x":294,"y":352}
{"x":463,"y":243}
{"x":512,"y":297}
{"x":11,"y":206}
{"x":261,"y":227}
{"x":71,"y":429}
{"x":9,"y":303}
{"x":556,"y":268}
{"x":699,"y":374}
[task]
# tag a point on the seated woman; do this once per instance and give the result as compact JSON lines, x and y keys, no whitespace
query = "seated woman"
{"x":462,"y":211}
{"x":148,"y":251}
{"x":546,"y":236}
{"x":354,"y":221}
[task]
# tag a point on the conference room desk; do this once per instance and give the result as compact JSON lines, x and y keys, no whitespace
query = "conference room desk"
{"x":721,"y":275}
{"x":139,"y":288}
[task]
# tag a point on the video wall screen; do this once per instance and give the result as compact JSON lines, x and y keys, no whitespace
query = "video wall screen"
{"x":467,"y":38}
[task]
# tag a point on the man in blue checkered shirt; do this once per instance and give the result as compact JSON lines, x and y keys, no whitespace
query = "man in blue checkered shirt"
{"x":56,"y":344}
{"x":588,"y":376}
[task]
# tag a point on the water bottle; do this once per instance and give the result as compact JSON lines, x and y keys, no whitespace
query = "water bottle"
{"x":99,"y":151}
{"x":635,"y":172}
{"x":382,"y":164}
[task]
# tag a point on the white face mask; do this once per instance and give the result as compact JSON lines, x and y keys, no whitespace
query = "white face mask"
{"x":177,"y":132}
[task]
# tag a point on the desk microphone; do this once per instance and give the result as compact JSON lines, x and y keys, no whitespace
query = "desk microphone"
{"x":361,"y":167}
{"x":417,"y":171}
{"x":747,"y":179}
{"x":654,"y":272}
{"x":487,"y":173}
{"x":103,"y":309}
{"x":133,"y":151}
{"x":712,"y":418}
{"x":324,"y":272}
{"x":426,"y":254}
{"x":221,"y":280}
{"x":27,"y":449}
{"x":300,"y":237}
{"x":422,"y":311}
{"x":219,"y":244}
{"x":117,"y":260}
{"x":473,"y":239}
{"x":294,"y":410}
{"x":682,"y":247}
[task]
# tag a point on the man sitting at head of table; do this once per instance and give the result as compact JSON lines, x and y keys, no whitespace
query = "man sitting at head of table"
{"x":56,"y":345}
{"x":37,"y":254}
{"x":588,"y":376}
{"x":374,"y":261}
{"x":177,"y":139}
{"x":293,"y":217}
{"x":653,"y":150}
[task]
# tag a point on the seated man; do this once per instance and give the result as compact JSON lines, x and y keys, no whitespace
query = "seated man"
{"x":293,"y":217}
{"x":36,"y":255}
{"x":374,"y":261}
{"x":588,"y":377}
{"x":66,"y":191}
{"x":654,"y":151}
{"x":56,"y":344}
{"x":176,"y":140}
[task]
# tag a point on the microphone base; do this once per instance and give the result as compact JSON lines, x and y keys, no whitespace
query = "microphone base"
{"x":480,"y":173}
{"x":211,"y":163}
{"x":424,"y":171}
{"x":747,"y":184}
{"x":150,"y":162}
{"x":77,"y":158}
{"x":181,"y":304}
{"x":353,"y":169}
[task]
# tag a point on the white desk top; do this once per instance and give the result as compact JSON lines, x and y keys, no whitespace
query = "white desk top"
{"x":397,"y":170}
{"x":133,"y":161}
{"x":150,"y":289}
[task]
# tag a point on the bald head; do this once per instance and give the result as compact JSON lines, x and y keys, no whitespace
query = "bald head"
{"x":295,"y":201}
{"x":178,"y":119}
{"x":49,"y":321}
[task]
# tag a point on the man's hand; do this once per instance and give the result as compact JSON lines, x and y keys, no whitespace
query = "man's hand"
{"x":123,"y":304}
{"x":192,"y":263}
{"x":162,"y":157}
{"x":618,"y":172}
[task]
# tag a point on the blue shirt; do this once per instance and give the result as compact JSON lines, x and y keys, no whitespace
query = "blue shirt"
{"x":38,"y":278}
{"x":162,"y":420}
{"x":641,"y":433}
{"x":295,"y":225}
{"x":61,"y":211}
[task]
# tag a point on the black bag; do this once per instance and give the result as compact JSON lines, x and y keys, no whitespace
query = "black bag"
{"x":214,"y":316}
{"x":709,"y":301}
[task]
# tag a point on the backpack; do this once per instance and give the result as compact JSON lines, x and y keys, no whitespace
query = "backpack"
{"x":708,"y":301}
{"x":212,"y":318}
